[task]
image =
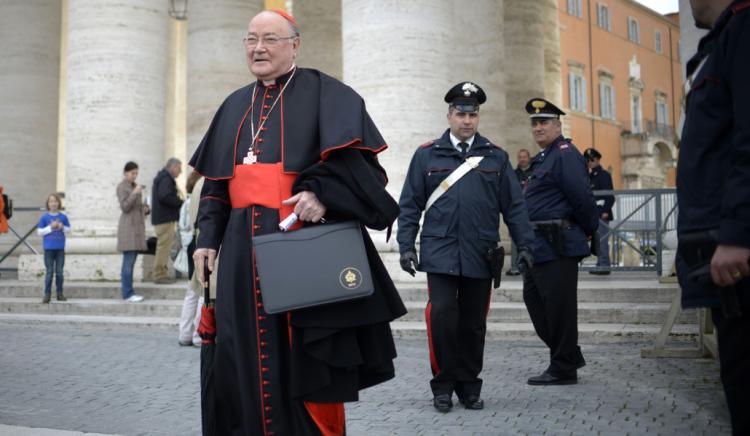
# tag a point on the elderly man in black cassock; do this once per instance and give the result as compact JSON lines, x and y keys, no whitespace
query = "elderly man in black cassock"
{"x":294,"y":140}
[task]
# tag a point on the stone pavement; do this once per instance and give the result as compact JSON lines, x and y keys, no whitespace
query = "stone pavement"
{"x":136,"y":382}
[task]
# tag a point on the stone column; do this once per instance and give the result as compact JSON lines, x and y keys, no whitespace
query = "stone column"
{"x":525,"y":72}
{"x":216,"y":59}
{"x":552,"y":66}
{"x":320,"y":21}
{"x":29,"y":77}
{"x":397,"y":55}
{"x":478,"y":55}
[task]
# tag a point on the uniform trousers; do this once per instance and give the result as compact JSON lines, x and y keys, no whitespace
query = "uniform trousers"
{"x":550,"y":293}
{"x":456,"y":317}
{"x":733,"y":336}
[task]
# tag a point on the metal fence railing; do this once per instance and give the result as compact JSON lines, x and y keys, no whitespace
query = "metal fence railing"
{"x":636,"y":235}
{"x":21,"y":239}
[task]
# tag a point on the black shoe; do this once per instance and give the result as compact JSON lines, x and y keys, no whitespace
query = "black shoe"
{"x":472,"y":402}
{"x":599,"y":273}
{"x":512,"y":272}
{"x":548,"y":379}
{"x":45,"y":300}
{"x":442,"y":403}
{"x":61,"y":297}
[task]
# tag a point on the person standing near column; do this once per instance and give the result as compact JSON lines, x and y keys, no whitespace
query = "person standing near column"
{"x":131,"y":228}
{"x":601,"y":180}
{"x":165,"y":212}
{"x":462,"y":182}
{"x":713,"y":191}
{"x":564,"y":216}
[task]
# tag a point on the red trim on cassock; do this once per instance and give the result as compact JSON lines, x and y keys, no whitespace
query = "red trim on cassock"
{"x":324,"y":155}
{"x":257,"y":330}
{"x":433,"y":360}
{"x":329,"y":417}
{"x":264,"y":185}
{"x":212,"y":197}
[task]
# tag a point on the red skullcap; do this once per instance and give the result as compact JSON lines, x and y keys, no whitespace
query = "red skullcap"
{"x":286,"y":16}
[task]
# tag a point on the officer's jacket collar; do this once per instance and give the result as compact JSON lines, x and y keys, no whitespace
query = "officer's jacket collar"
{"x":480,"y":147}
{"x":550,"y":149}
{"x":707,"y":43}
{"x":597,"y":169}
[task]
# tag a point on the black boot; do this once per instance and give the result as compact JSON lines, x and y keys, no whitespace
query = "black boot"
{"x":45,"y":300}
{"x":61,"y":297}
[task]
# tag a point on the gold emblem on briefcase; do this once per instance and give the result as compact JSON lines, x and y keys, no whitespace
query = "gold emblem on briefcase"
{"x":350,"y":278}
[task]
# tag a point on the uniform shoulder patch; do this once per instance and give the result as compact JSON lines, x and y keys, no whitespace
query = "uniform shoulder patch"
{"x":741,"y":6}
{"x":496,"y":146}
{"x":564,"y":146}
{"x":427,"y":144}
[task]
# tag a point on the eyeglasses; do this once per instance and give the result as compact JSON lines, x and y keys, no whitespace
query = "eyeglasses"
{"x":269,"y":40}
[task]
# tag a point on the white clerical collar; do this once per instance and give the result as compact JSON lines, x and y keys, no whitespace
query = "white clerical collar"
{"x":455,"y":141}
{"x":273,"y":81}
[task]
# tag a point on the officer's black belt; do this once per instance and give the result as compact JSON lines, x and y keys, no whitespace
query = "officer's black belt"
{"x":558,"y":222}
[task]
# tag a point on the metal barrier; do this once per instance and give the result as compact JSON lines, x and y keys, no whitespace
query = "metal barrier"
{"x":21,"y":239}
{"x":641,"y":219}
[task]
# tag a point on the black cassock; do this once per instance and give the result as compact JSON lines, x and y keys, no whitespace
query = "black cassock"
{"x":289,"y":374}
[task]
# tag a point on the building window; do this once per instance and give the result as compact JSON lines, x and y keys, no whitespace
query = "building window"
{"x":577,"y":89}
{"x":634,"y":30}
{"x":602,"y":17}
{"x":636,"y":122}
{"x":658,"y":42}
{"x":662,"y":122}
{"x":607,"y":100}
{"x":575,"y":8}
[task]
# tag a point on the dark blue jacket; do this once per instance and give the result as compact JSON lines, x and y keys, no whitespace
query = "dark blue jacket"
{"x":559,"y":189}
{"x":464,"y":222}
{"x":601,"y":180}
{"x":713,"y":168}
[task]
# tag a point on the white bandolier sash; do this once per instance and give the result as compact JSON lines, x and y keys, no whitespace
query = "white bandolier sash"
{"x":468,"y":165}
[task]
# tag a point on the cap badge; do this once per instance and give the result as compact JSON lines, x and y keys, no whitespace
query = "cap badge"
{"x":468,"y":88}
{"x":538,"y":105}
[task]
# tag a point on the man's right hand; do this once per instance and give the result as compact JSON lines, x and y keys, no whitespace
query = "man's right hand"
{"x":200,"y":257}
{"x":409,"y":261}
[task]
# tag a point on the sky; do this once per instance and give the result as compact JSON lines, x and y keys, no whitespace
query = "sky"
{"x":662,"y":6}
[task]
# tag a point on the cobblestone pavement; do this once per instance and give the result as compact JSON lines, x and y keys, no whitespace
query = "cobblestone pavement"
{"x":142,"y":383}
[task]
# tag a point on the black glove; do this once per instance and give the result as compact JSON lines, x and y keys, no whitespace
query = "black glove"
{"x":409,"y":261}
{"x":525,"y":260}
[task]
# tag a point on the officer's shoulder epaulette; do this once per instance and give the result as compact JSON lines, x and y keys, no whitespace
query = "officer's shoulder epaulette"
{"x":427,"y":144}
{"x":495,"y":145}
{"x":741,"y":6}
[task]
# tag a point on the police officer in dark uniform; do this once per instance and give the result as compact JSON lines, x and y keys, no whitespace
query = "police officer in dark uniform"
{"x":563,"y":213}
{"x":713,"y":192}
{"x":601,"y":180}
{"x":461,"y":228}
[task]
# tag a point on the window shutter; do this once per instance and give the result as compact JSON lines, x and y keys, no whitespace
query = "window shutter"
{"x":602,"y":101}
{"x":571,"y":91}
{"x":583,"y":95}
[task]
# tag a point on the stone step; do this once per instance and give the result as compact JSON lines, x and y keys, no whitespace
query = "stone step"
{"x":606,"y":313}
{"x":96,"y":290}
{"x":634,"y":291}
{"x":588,"y":332}
{"x":618,"y":313}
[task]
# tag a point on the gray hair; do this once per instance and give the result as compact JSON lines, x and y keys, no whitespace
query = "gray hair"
{"x":173,"y":161}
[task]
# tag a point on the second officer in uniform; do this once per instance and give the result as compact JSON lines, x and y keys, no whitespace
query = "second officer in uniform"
{"x":462,"y":182}
{"x":564,"y":216}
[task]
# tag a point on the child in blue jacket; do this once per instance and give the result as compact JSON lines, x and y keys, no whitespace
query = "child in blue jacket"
{"x":53,"y":225}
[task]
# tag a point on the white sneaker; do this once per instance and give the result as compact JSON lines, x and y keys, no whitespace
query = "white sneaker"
{"x":135,"y":298}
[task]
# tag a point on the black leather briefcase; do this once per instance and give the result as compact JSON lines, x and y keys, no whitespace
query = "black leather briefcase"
{"x":312,"y":266}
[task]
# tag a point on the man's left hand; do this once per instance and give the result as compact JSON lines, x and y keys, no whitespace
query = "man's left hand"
{"x":525,"y":260}
{"x":307,"y":206}
{"x":730,"y":264}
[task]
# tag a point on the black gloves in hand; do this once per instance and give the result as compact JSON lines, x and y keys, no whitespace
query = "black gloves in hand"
{"x":409,"y":261}
{"x":525,"y":260}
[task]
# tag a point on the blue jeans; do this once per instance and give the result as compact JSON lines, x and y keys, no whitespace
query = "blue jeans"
{"x":603,"y":258}
{"x":54,"y":261}
{"x":126,"y":274}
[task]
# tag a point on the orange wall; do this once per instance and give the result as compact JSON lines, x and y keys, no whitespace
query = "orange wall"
{"x":611,"y":51}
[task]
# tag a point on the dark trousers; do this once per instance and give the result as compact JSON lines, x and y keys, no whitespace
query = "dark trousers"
{"x":456,"y":317}
{"x":734,"y":360}
{"x":54,"y":261}
{"x":550,"y":294}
